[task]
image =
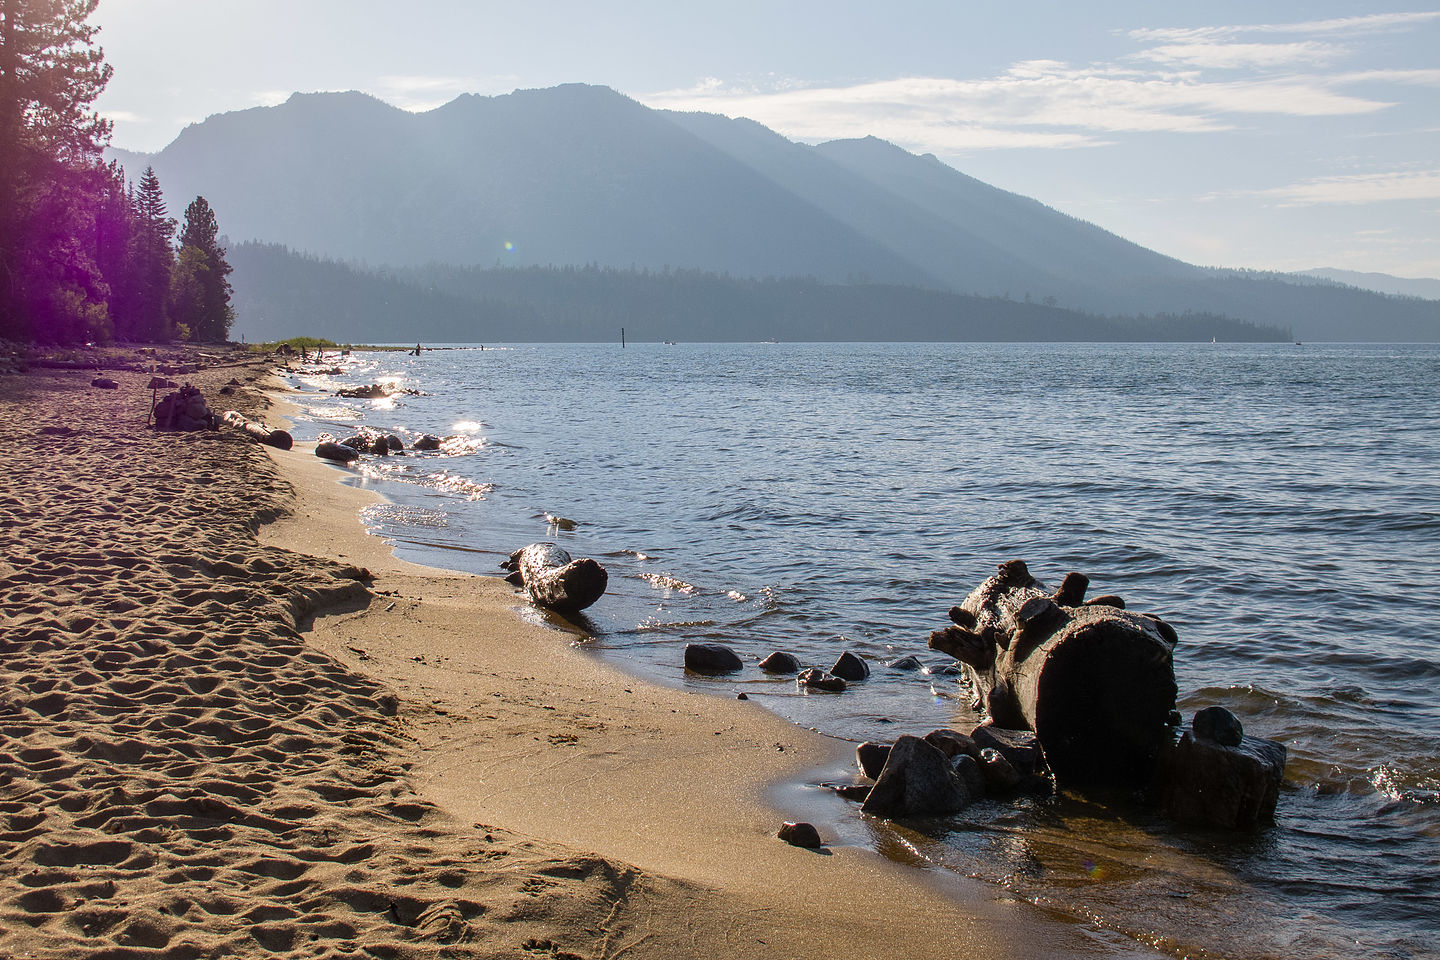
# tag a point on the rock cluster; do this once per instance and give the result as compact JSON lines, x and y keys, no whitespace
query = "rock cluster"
{"x":185,"y":409}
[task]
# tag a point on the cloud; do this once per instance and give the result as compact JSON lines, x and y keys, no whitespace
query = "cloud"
{"x":1236,"y":56}
{"x":419,"y":92}
{"x":270,"y":98}
{"x":1349,"y":26}
{"x":123,"y":116}
{"x":1351,"y":189}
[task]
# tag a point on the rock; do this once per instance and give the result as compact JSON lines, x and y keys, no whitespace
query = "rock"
{"x":952,"y":743}
{"x":560,"y":523}
{"x":1000,"y":775}
{"x":969,"y":770}
{"x":395,"y":444}
{"x":1020,"y":747}
{"x":800,"y":834}
{"x":1174,"y":719}
{"x":871,"y":757}
{"x":1218,"y":724}
{"x":330,"y":450}
{"x":711,"y":658}
{"x":742,"y":695}
{"x":105,"y":383}
{"x":905,"y":663}
{"x":779,"y":662}
{"x":952,"y":669}
{"x":426,"y":441}
{"x":817,"y":679}
{"x":917,"y":781}
{"x":850,"y":667}
{"x":1203,"y":782}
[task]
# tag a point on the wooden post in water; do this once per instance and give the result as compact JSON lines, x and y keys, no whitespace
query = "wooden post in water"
{"x":622,"y":338}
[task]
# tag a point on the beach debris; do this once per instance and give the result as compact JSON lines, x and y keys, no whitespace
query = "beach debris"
{"x":426,"y":441}
{"x":263,"y":433}
{"x":560,"y":523}
{"x":711,"y":658}
{"x":779,"y":662}
{"x":917,"y":781}
{"x":800,"y":834}
{"x":850,"y":668}
{"x":870,"y":757}
{"x":338,"y":452}
{"x":555,"y":581}
{"x":1205,"y":782}
{"x":1094,"y":682}
{"x":817,"y":679}
{"x":105,"y":383}
{"x":185,"y":409}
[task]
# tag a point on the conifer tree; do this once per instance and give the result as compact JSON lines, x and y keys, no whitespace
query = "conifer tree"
{"x":50,"y":140}
{"x":202,"y":300}
{"x":152,"y":259}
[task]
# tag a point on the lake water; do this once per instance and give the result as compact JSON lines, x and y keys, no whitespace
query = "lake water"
{"x":1278,"y":504}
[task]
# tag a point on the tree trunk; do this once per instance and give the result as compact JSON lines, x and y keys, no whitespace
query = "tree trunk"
{"x":555,"y":581}
{"x":1094,"y":682}
{"x":269,"y":436}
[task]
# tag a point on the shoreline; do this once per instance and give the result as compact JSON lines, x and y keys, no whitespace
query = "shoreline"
{"x":220,"y":736}
{"x":597,"y":745}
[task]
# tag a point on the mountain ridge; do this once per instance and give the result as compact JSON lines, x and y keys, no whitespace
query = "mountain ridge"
{"x":580,"y":174}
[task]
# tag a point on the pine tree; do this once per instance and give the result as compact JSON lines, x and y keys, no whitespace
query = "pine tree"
{"x":50,"y":140}
{"x":152,"y":259}
{"x":202,"y":287}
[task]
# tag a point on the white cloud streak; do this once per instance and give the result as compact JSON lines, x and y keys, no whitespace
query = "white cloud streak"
{"x":1365,"y":188}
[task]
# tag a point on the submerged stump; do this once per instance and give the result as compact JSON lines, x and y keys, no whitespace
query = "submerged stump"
{"x":555,"y":581}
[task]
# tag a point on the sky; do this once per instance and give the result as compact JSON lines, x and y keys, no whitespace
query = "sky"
{"x":1271,"y":135}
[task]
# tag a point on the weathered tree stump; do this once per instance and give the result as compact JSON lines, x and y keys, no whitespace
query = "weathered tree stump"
{"x":1095,"y":683}
{"x":555,"y":581}
{"x":279,"y":439}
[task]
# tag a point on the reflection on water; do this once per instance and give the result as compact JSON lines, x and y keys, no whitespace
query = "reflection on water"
{"x":1276,"y":504}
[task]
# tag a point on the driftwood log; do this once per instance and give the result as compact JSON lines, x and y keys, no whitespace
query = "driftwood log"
{"x":1095,"y":682}
{"x":279,"y":439}
{"x":555,"y":581}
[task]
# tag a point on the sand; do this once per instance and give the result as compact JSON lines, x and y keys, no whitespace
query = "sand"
{"x":234,"y":725}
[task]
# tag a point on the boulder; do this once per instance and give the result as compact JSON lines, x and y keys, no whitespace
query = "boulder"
{"x":905,"y":663}
{"x":338,"y":452}
{"x":1218,"y":724}
{"x":1000,"y":776}
{"x":969,"y":770}
{"x":1020,"y":747}
{"x":1204,"y":782}
{"x":870,"y":757}
{"x":711,"y":658}
{"x":426,"y":441}
{"x":952,"y":743}
{"x":105,"y":383}
{"x":917,"y":782}
{"x":779,"y":662}
{"x":850,"y":667}
{"x":800,"y":835}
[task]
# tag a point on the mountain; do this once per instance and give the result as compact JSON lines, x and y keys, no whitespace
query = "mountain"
{"x":578,"y":175}
{"x":1426,"y":289}
{"x":279,"y":293}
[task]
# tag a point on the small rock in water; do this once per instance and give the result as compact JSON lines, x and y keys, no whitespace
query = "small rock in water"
{"x":1020,"y":747}
{"x":952,"y":743}
{"x":1218,"y":724}
{"x":870,"y":757}
{"x":850,"y":667}
{"x":742,"y":695}
{"x":1000,"y":776}
{"x":780,"y":663}
{"x":952,"y":669}
{"x":817,"y":679}
{"x":560,"y":523}
{"x":800,"y":834}
{"x":427,"y":441}
{"x":711,"y":658}
{"x":917,"y":781}
{"x":905,"y":663}
{"x":969,"y":770}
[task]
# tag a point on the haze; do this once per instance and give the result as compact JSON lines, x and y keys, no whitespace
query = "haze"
{"x":1287,"y":137}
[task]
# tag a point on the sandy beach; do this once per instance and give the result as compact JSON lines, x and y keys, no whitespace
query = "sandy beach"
{"x":233,"y":724}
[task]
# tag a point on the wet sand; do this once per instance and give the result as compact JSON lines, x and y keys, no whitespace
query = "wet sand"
{"x":232,"y":724}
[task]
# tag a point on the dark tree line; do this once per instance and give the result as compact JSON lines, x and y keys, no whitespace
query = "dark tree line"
{"x":86,"y":255}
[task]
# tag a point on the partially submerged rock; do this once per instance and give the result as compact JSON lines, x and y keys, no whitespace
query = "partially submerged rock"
{"x":917,"y":781}
{"x":1204,"y":782}
{"x":850,"y":668}
{"x":817,"y":679}
{"x":711,"y":658}
{"x":779,"y":662}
